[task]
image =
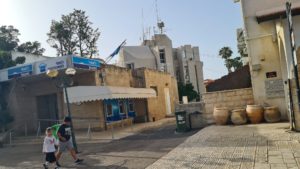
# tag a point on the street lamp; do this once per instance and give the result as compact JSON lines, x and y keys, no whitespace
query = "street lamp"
{"x":65,"y":82}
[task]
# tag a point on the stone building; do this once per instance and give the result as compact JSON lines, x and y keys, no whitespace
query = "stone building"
{"x":270,"y":54}
{"x":100,"y":95}
{"x":158,"y":53}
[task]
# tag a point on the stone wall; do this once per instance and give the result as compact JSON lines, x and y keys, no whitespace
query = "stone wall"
{"x":229,"y":98}
{"x":162,"y":81}
{"x":205,"y":118}
{"x":117,"y":76}
{"x":88,"y":113}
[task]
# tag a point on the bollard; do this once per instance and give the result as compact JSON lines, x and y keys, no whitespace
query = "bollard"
{"x":10,"y":138}
{"x":131,"y":126}
{"x":38,"y":130}
{"x":122,"y":122}
{"x":89,"y":136}
{"x":112,"y":132}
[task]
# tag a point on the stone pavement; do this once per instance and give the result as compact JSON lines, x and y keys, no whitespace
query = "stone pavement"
{"x":263,"y":146}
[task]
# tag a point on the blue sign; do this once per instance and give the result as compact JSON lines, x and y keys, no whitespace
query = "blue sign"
{"x":20,"y":71}
{"x":42,"y":67}
{"x":85,"y":63}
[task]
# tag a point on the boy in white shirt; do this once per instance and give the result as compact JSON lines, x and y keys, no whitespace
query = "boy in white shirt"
{"x":49,"y":148}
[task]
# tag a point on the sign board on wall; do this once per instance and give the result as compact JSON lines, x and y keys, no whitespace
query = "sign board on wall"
{"x":271,"y":74}
{"x":20,"y":71}
{"x":274,"y":88}
{"x":51,"y":64}
{"x":85,"y":63}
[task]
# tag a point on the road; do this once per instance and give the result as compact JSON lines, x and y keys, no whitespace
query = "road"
{"x":133,"y":152}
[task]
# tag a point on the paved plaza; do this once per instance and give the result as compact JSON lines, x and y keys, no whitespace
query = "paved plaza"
{"x":262,"y":146}
{"x":134,"y":148}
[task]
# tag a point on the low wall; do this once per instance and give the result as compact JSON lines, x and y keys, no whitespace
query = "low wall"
{"x":229,"y":98}
{"x":204,"y":118}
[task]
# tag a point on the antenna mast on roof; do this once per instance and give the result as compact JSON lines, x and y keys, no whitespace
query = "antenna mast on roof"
{"x":160,"y":24}
{"x":143,"y":27}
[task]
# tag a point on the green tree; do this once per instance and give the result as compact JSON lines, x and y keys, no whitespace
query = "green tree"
{"x":187,"y":90}
{"x":31,"y":47}
{"x":74,"y":34}
{"x":236,"y":63}
{"x":8,"y":38}
{"x":226,"y":53}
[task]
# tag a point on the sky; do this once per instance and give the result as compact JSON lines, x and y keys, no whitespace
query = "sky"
{"x":209,"y":24}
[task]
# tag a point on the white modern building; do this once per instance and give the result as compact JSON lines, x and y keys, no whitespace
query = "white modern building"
{"x":158,"y":53}
{"x":30,"y":58}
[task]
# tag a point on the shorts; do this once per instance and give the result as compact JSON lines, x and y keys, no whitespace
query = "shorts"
{"x":50,"y":157}
{"x":63,"y":146}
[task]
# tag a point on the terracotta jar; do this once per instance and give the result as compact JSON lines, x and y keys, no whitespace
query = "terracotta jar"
{"x":255,"y":113}
{"x":221,"y":115}
{"x":272,"y":114}
{"x":238,"y":116}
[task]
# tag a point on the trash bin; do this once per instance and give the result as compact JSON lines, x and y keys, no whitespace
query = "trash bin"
{"x":181,"y":122}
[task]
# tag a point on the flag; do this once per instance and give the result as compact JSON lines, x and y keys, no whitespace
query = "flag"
{"x":118,"y":49}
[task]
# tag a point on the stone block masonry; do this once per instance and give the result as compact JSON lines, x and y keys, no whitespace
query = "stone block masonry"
{"x":231,"y":99}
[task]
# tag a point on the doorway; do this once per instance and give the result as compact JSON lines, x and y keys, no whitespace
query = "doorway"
{"x":168,"y":102}
{"x":47,"y":110}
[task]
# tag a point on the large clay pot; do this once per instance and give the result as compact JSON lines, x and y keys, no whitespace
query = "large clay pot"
{"x":221,"y":115}
{"x":272,"y":114}
{"x":238,"y":116}
{"x":255,"y":113}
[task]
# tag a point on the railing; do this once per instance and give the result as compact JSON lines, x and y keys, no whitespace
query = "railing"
{"x":86,"y":133}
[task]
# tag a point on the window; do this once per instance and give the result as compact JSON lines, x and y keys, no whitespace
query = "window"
{"x":109,"y":112}
{"x":155,"y":88}
{"x":162,"y":56}
{"x":130,"y":65}
{"x":131,"y":106}
{"x":122,"y":107}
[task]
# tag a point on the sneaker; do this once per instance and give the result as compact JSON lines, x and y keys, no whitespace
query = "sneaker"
{"x":78,"y":161}
{"x":56,"y":168}
{"x":45,"y":166}
{"x":57,"y":164}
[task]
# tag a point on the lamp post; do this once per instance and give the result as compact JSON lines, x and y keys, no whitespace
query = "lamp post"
{"x":65,"y":82}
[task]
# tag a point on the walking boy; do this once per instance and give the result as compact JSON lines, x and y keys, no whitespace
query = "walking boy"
{"x":65,"y":141}
{"x":49,"y":148}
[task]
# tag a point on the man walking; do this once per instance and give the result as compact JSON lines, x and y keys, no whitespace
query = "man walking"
{"x":65,"y":141}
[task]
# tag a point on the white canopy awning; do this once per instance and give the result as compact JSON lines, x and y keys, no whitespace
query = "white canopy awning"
{"x":92,"y":93}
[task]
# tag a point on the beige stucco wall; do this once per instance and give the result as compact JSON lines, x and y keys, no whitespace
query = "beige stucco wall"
{"x":117,"y":76}
{"x":157,"y":106}
{"x":268,"y":47}
{"x":229,"y":98}
{"x":88,"y":113}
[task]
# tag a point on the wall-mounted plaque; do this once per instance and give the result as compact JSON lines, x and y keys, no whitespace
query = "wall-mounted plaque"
{"x":271,"y":74}
{"x":274,"y":88}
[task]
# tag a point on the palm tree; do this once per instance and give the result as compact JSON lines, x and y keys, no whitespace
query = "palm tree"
{"x":226,"y":53}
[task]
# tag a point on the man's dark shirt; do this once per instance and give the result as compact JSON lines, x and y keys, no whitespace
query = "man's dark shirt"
{"x":65,"y":132}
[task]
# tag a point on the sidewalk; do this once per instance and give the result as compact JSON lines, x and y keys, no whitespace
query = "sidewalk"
{"x":263,"y":146}
{"x":100,"y":136}
{"x":119,"y":133}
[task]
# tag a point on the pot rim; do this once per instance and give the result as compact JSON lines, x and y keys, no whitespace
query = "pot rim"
{"x":221,"y":108}
{"x":254,"y":105}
